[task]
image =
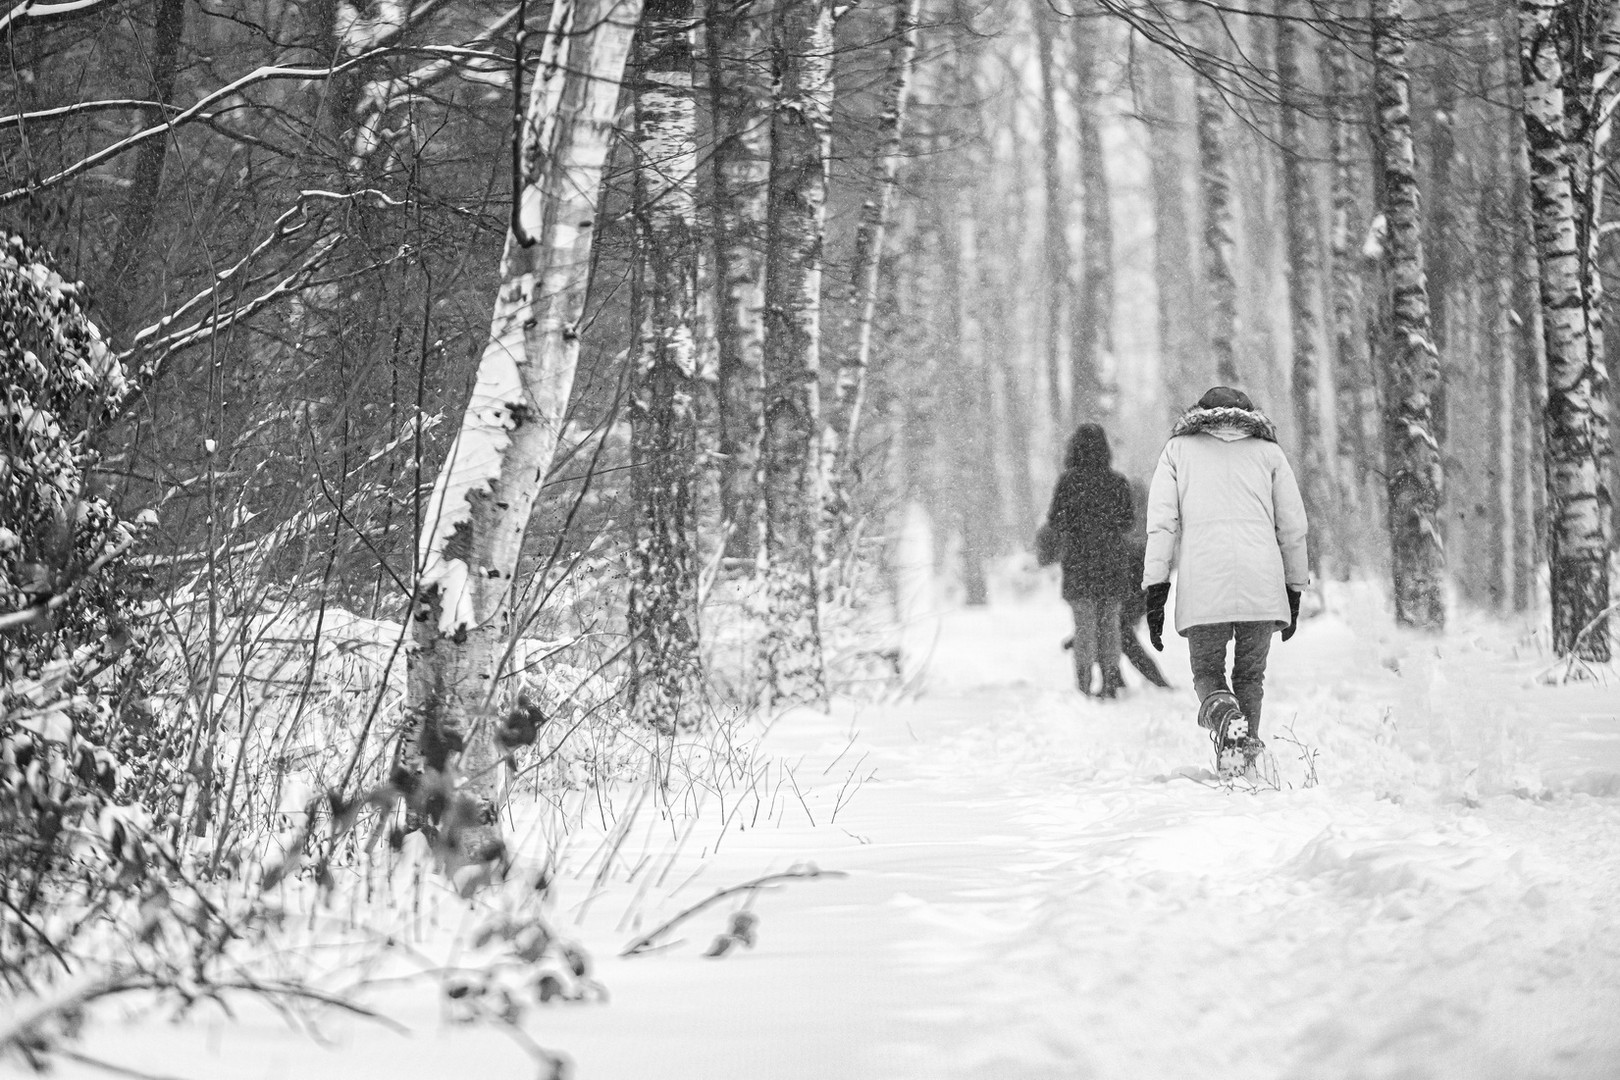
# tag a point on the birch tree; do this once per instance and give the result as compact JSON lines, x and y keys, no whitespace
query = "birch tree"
{"x":1055,"y":237}
{"x":1093,"y":322}
{"x":1175,"y":274}
{"x":801,"y":58}
{"x":1220,"y":224}
{"x":1304,"y":281}
{"x":478,"y":512}
{"x":1414,"y":472}
{"x":739,"y":100}
{"x":1355,"y":405}
{"x":1555,"y":64}
{"x":850,"y":394}
{"x":662,"y":613}
{"x":1501,"y":343}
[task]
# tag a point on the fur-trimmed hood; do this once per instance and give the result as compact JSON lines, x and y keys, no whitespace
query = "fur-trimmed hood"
{"x":1227,"y":423}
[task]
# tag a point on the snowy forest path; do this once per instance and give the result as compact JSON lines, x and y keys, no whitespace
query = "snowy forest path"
{"x":1035,"y":888}
{"x":1039,"y":888}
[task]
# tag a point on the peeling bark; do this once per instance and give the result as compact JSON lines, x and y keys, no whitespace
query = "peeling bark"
{"x":739,"y":100}
{"x":1559,"y":79}
{"x":1415,"y":476}
{"x":802,"y":55}
{"x":662,"y":614}
{"x":476,"y":517}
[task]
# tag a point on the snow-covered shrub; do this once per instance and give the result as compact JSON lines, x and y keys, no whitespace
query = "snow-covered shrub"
{"x":71,"y":720}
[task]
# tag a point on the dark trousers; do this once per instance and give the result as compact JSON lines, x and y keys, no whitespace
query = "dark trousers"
{"x":1207,"y":644}
{"x":1096,"y":641}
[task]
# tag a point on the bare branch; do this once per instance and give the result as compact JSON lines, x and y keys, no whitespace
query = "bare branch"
{"x":805,"y":872}
{"x":199,"y":110}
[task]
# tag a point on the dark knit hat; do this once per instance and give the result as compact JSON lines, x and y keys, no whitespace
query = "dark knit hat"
{"x":1224,"y":397}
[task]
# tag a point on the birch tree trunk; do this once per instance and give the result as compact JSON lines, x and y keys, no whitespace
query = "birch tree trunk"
{"x":739,"y":101}
{"x":802,"y":53}
{"x":472,"y":534}
{"x":1094,"y":311}
{"x":1576,"y":417}
{"x":1220,"y":225}
{"x":662,"y":614}
{"x":1059,"y":271}
{"x":1499,"y":361}
{"x":850,"y":395}
{"x":1182,"y":365}
{"x":1304,"y":289}
{"x":1530,"y":374}
{"x":973,"y":490}
{"x":1415,"y":475}
{"x":1357,"y":446}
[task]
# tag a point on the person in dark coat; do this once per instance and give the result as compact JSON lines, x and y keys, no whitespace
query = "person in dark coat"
{"x":1088,"y":521}
{"x":1134,"y":606}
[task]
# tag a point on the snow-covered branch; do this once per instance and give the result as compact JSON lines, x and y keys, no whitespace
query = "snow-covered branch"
{"x":30,"y":10}
{"x":380,"y":96}
{"x":199,"y":110}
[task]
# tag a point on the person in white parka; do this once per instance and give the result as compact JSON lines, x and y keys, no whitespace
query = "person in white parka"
{"x":1224,"y":509}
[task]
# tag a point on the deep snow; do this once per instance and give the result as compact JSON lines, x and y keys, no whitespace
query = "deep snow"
{"x":1044,"y":886}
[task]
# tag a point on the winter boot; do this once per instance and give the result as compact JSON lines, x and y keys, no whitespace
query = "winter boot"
{"x":1228,"y":730}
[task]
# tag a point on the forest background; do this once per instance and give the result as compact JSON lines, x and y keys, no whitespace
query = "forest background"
{"x":582,"y":359}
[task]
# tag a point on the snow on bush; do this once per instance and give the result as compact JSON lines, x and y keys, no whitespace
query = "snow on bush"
{"x":72,"y":719}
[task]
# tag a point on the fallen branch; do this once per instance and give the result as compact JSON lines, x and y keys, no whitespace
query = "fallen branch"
{"x":799,"y":873}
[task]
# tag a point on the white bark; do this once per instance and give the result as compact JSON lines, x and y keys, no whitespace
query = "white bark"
{"x":843,"y":427}
{"x":1220,"y":225}
{"x":802,"y":55}
{"x":1415,"y":474}
{"x":1561,"y":138}
{"x":479,"y":510}
{"x":663,"y":606}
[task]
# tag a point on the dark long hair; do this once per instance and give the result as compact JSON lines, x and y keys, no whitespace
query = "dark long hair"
{"x":1088,"y":450}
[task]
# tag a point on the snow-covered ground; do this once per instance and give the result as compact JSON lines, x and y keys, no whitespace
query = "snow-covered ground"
{"x":1038,"y":885}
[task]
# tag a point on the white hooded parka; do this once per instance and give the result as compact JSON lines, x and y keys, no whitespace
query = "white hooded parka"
{"x":1225,"y":510}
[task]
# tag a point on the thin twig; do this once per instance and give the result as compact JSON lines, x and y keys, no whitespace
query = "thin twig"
{"x":804,"y":873}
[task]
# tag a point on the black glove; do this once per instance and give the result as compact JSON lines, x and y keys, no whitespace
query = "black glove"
{"x":1154,"y":597}
{"x":1293,"y":614}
